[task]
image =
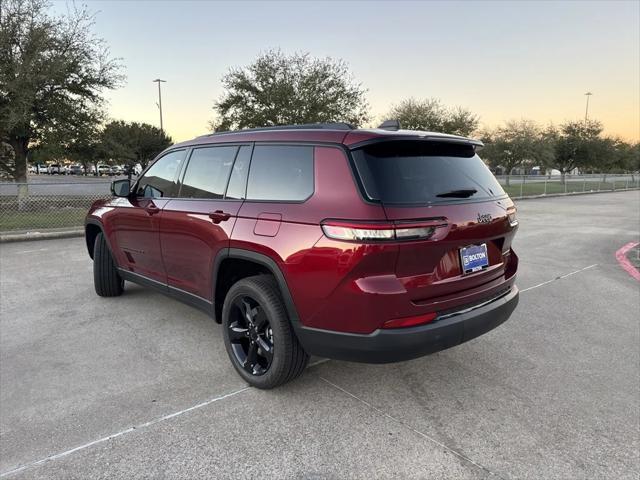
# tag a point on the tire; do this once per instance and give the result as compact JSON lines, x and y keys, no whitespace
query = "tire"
{"x":260,"y":296}
{"x":106,"y":279}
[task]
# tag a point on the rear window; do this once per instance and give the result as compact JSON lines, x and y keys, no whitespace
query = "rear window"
{"x":420,"y":172}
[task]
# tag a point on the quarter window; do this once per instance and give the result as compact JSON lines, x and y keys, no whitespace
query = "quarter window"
{"x":281,"y":173}
{"x":208,"y":172}
{"x":160,"y":180}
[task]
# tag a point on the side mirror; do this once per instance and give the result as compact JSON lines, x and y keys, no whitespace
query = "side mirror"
{"x":121,"y":188}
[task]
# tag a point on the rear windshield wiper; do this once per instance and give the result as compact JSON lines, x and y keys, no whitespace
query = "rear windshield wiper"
{"x":462,"y":193}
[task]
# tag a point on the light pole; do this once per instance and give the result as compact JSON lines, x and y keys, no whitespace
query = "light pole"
{"x":586,"y":111}
{"x":159,"y":81}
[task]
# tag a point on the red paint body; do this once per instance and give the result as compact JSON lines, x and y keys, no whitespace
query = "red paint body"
{"x":335,"y":285}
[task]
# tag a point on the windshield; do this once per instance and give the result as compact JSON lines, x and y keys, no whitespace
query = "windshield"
{"x":420,"y":172}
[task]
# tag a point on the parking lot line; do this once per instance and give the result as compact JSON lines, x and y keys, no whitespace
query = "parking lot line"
{"x":32,"y":251}
{"x":120,"y":433}
{"x":558,"y":278}
{"x":409,"y":427}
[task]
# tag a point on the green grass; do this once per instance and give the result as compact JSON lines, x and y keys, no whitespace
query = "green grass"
{"x":41,"y":212}
{"x":16,"y":220}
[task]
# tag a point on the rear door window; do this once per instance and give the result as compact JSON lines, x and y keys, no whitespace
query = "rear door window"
{"x":281,"y":173}
{"x":208,"y":172}
{"x":420,"y":172}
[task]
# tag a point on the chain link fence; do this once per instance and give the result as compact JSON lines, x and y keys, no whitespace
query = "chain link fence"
{"x":523,"y":186}
{"x":47,"y":204}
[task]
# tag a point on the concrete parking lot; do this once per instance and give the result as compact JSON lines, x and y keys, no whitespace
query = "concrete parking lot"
{"x":140,"y":386}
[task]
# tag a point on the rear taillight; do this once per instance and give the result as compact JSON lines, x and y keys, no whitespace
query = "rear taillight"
{"x":511,"y":214}
{"x":358,"y":232}
{"x":372,"y":232}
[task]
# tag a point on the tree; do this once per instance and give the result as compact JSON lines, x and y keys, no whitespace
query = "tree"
{"x":133,"y":142}
{"x":278,"y":89}
{"x":516,"y":143}
{"x":86,"y":147}
{"x":431,"y":115}
{"x":53,"y":71}
{"x":575,"y":144}
{"x":630,"y":160}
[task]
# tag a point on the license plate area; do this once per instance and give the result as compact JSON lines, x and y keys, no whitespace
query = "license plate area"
{"x":474,"y":258}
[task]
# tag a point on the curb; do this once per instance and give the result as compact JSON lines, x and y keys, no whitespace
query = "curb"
{"x":625,"y":263}
{"x":27,"y":236}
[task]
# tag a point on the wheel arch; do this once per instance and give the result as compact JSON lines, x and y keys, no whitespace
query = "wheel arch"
{"x":250,"y":263}
{"x":91,"y":230}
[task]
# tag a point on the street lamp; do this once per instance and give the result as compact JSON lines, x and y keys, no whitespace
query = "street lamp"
{"x":159,"y":81}
{"x":586,"y":111}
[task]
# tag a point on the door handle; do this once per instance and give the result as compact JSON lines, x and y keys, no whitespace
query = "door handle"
{"x":152,"y":209}
{"x":219,"y":216}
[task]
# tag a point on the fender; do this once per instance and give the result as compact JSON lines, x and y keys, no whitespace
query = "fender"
{"x":97,"y":223}
{"x":271,"y":265}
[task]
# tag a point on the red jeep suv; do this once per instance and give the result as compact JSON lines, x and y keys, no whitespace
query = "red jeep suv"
{"x":376,"y":245}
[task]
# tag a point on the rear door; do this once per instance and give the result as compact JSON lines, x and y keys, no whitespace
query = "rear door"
{"x":447,"y":188}
{"x":198,"y":224}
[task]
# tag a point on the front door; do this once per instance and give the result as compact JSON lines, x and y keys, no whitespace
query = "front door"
{"x":198,"y":224}
{"x":136,"y":227}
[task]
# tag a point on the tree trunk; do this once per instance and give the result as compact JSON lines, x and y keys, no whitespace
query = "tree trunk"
{"x":20,"y":149}
{"x":562,"y":176}
{"x":508,"y":182}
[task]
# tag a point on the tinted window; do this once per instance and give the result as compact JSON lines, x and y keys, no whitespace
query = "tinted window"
{"x":207,"y":172}
{"x":283,"y":173}
{"x":424,"y":172}
{"x":238,"y":181}
{"x":159,"y":180}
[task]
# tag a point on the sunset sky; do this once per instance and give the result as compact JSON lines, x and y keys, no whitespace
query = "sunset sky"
{"x":503,"y":60}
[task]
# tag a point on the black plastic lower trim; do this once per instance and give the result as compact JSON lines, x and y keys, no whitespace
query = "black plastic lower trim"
{"x":399,"y":344}
{"x":185,"y":297}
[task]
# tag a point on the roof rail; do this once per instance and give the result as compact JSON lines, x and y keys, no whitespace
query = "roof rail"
{"x":302,"y":126}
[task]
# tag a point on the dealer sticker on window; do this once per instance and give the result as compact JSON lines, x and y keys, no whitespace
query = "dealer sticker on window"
{"x":474,"y":258}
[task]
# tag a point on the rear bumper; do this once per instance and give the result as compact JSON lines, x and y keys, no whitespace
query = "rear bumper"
{"x":395,"y":345}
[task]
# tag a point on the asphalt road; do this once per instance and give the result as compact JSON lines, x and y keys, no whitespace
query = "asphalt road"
{"x":140,"y":386}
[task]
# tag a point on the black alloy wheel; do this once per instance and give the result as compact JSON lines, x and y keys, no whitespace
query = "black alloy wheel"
{"x":250,"y":335}
{"x":258,"y":336}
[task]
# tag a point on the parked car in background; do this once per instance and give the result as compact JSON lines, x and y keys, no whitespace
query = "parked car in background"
{"x":132,"y":169}
{"x":57,"y":169}
{"x":377,"y":245}
{"x":76,"y":169}
{"x":104,"y":170}
{"x":32,"y":169}
{"x":116,"y":170}
{"x":41,"y":169}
